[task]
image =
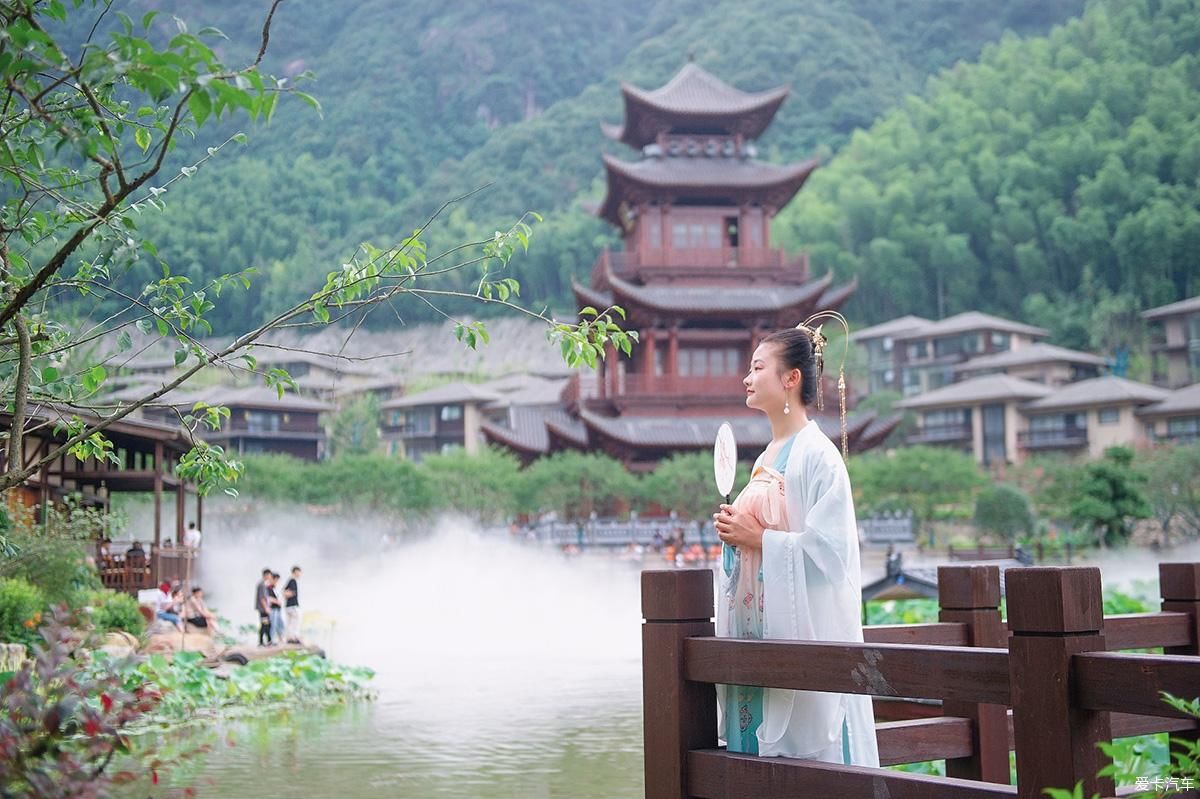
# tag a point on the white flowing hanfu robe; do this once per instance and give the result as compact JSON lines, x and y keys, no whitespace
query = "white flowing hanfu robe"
{"x":811,"y":592}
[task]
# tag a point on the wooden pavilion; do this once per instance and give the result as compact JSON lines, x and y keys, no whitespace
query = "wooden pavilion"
{"x":148,"y":453}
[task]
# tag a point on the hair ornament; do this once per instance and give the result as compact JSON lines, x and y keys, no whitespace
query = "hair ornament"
{"x":819,"y":343}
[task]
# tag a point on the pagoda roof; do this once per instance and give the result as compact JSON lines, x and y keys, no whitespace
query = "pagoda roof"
{"x":700,"y":176}
{"x":698,"y":432}
{"x":705,"y":299}
{"x":694,"y":97}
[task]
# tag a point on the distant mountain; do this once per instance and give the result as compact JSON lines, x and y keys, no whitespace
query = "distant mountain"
{"x":425,"y":102}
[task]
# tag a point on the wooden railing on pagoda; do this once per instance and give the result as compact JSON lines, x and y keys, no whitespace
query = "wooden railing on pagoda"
{"x":1049,"y":685}
{"x":682,"y":262}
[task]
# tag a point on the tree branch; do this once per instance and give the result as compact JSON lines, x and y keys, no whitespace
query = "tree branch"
{"x":16,"y":439}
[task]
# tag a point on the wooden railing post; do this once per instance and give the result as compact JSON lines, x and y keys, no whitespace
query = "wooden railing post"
{"x":677,"y":715}
{"x":970,"y":595}
{"x":1054,"y":613}
{"x":1179,"y":585}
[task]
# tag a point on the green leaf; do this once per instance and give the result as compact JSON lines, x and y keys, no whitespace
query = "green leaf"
{"x":93,"y":378}
{"x":312,"y":101}
{"x":124,"y":342}
{"x":200,"y":104}
{"x":142,"y":137}
{"x":180,"y":356}
{"x":49,"y":374}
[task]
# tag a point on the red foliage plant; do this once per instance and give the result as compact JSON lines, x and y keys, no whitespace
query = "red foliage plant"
{"x":63,"y":723}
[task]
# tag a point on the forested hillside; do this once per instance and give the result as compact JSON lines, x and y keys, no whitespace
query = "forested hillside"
{"x":424,"y":102}
{"x":1056,"y":179}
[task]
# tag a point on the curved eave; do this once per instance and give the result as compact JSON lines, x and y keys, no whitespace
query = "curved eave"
{"x":589,"y":296}
{"x":631,"y":294}
{"x":835,"y":298}
{"x":646,"y":115}
{"x":500,"y":435}
{"x":559,"y":433}
{"x":624,"y":183}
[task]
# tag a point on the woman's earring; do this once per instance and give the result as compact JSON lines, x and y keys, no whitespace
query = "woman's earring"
{"x":787,"y":407}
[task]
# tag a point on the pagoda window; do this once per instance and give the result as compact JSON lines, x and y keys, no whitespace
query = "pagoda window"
{"x":731,"y":228}
{"x":654,"y":234}
{"x":709,"y":361}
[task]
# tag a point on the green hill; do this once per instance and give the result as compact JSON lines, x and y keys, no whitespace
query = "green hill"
{"x":1056,"y":179}
{"x":423,"y":103}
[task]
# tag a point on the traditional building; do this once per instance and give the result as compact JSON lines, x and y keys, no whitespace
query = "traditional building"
{"x":698,"y":278}
{"x":926,"y":355}
{"x":1175,"y":342}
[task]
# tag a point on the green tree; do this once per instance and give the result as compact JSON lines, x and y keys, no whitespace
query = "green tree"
{"x":1111,"y":493}
{"x":354,"y":429}
{"x":926,"y":480}
{"x":684,"y":483}
{"x":484,"y":486}
{"x":1172,"y":487}
{"x":576,"y":484}
{"x":86,"y":139}
{"x":1003,"y":511}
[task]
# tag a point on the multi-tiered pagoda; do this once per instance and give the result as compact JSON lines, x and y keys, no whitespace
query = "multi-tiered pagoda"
{"x":698,"y":279}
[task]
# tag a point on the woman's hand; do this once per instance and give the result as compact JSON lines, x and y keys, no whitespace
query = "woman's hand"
{"x":738,"y":528}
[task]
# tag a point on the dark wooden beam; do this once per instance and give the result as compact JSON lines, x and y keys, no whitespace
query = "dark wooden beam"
{"x":1125,"y":683}
{"x":907,"y":670}
{"x":936,"y":633}
{"x":921,"y":740}
{"x":1147,"y":630}
{"x":716,"y":774}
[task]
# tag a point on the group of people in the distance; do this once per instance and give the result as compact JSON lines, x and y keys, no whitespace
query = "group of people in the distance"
{"x":171,"y":606}
{"x":278,"y":617}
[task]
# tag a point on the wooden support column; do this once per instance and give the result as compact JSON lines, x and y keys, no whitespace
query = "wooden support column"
{"x":970,"y":595}
{"x":199,"y":510}
{"x":677,"y":715}
{"x":673,"y":352}
{"x":1179,"y":585}
{"x":180,"y":511}
{"x":1055,"y":613}
{"x":158,"y":492}
{"x":647,"y":355}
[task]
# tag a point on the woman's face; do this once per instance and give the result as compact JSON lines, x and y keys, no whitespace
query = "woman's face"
{"x":767,"y":384}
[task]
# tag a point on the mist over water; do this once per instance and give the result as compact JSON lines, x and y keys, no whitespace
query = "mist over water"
{"x":502,"y":669}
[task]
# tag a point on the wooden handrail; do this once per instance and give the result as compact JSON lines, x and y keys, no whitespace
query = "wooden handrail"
{"x":1123,"y":683}
{"x":1147,"y":630}
{"x":935,"y":633}
{"x":974,"y":674}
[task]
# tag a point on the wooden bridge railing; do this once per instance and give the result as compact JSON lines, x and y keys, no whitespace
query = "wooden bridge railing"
{"x":943,"y":690}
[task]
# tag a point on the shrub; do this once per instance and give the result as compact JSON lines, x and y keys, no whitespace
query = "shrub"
{"x":1003,"y":511}
{"x":58,"y":566}
{"x":116,"y":611}
{"x":21,"y":608}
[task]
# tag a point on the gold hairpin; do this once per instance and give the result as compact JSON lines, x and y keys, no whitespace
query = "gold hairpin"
{"x":819,"y":342}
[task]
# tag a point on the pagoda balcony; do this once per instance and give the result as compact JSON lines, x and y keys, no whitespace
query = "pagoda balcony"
{"x":734,"y":262}
{"x":642,"y":386}
{"x":1065,"y":438}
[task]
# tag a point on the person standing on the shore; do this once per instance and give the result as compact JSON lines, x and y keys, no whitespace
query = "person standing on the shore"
{"x":291,"y":601}
{"x":262,"y":606}
{"x":276,"y":609}
{"x":790,"y":564}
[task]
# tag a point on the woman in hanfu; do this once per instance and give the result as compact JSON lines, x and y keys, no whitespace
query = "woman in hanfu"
{"x":790,"y":565}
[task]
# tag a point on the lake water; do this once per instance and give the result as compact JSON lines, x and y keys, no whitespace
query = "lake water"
{"x":502,"y":670}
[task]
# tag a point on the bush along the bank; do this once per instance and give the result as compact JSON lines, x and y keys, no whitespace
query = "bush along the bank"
{"x":21,"y":607}
{"x":189,"y":688}
{"x":112,"y":610}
